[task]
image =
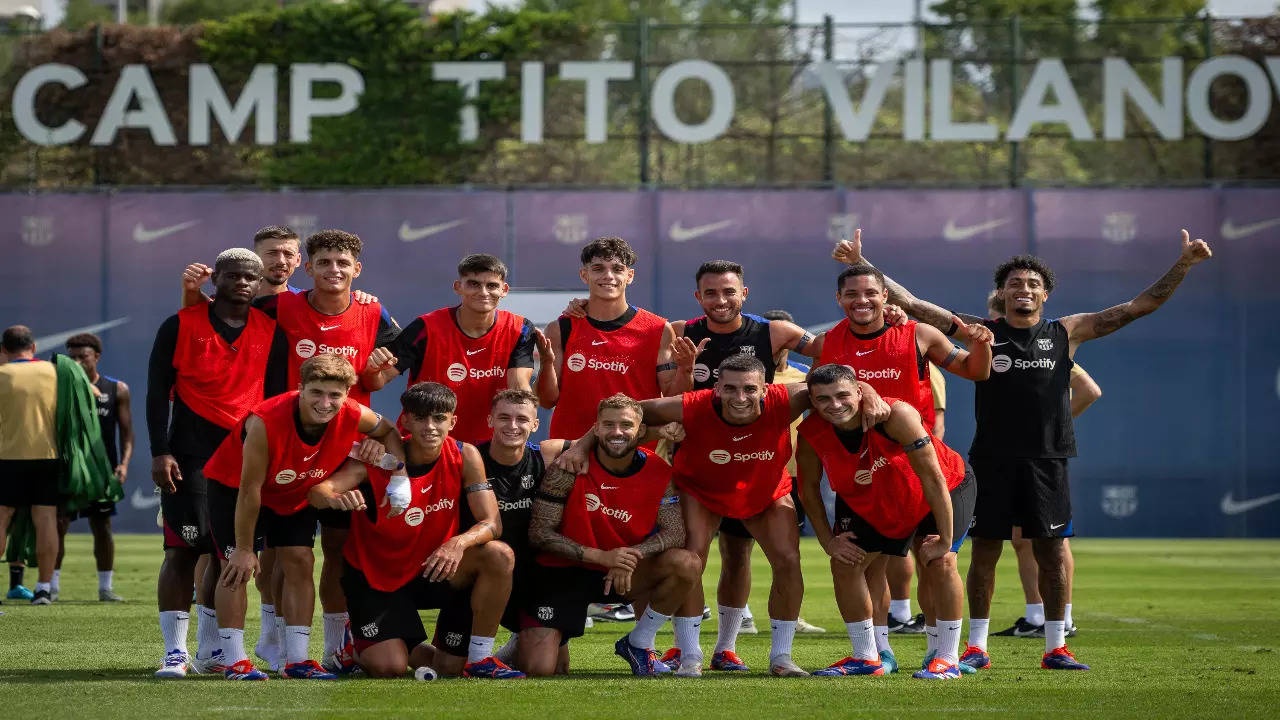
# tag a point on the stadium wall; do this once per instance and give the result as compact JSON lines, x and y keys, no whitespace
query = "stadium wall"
{"x":1179,"y":445}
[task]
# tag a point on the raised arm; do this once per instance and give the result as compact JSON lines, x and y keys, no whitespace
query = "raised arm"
{"x":785,"y":335}
{"x":971,"y":364}
{"x":193,"y":278}
{"x":670,"y":532}
{"x":904,"y":427}
{"x":676,"y":357}
{"x":850,"y":253}
{"x":663,"y":410}
{"x":1089,"y":326}
{"x":550,"y":349}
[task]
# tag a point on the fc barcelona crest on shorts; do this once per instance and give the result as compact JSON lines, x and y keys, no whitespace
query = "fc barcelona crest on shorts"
{"x":369,"y":630}
{"x":190,"y":533}
{"x":546,"y":613}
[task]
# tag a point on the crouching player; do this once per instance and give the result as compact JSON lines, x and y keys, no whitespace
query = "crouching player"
{"x":418,"y":560}
{"x":611,"y":534}
{"x":897,"y":488}
{"x":263,"y":472}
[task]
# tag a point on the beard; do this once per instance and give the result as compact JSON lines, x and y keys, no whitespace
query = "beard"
{"x":627,"y":450}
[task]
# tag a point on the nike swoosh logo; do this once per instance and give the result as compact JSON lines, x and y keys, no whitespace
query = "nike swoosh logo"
{"x":743,"y":437}
{"x":860,"y":353}
{"x":55,"y":341}
{"x":1231,"y":506}
{"x":1055,"y":527}
{"x":143,"y":235}
{"x":143,"y":501}
{"x":957,"y":234}
{"x":308,"y":458}
{"x":608,"y":487}
{"x":411,"y":234}
{"x":599,"y":342}
{"x":331,"y":327}
{"x":995,"y":344}
{"x":1231,"y":232}
{"x":684,"y":234}
{"x":473,"y":352}
{"x":425,"y":489}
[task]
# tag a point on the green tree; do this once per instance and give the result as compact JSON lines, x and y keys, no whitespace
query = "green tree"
{"x":190,"y":12}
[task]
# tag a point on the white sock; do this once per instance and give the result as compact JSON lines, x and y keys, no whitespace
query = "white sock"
{"x":1066,"y":616}
{"x":297,"y":639}
{"x":746,"y":611}
{"x":1035,"y":613}
{"x":207,"y":639}
{"x":335,"y":625}
{"x":931,"y":640}
{"x":232,"y":642}
{"x":727,"y":631}
{"x":47,"y":587}
{"x":949,"y":640}
{"x":479,"y":649}
{"x":882,"y":638}
{"x":646,"y":629}
{"x":57,"y":577}
{"x":782,"y":633}
{"x":508,"y":650}
{"x":267,"y":631}
{"x":900,"y":610}
{"x":863,"y":639}
{"x":173,"y":627}
{"x":978,"y":632}
{"x":104,"y":579}
{"x":1055,"y":634}
{"x":686,"y":631}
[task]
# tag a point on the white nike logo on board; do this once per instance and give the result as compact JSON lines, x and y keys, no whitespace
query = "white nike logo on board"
{"x":684,"y":234}
{"x":143,"y":235}
{"x":54,"y":341}
{"x":952,"y":233}
{"x":411,"y":234}
{"x":1231,"y":506}
{"x":143,"y":501}
{"x":1231,"y":232}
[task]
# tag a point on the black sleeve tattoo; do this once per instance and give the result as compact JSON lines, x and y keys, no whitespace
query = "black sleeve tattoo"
{"x":544,"y":523}
{"x":670,"y":532}
{"x":1114,"y":318}
{"x":922,"y":310}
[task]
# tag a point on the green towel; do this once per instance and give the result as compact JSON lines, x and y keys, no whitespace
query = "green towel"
{"x":87,"y":474}
{"x":22,"y":538}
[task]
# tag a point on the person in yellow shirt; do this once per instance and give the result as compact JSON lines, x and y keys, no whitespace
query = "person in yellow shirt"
{"x":29,"y":465}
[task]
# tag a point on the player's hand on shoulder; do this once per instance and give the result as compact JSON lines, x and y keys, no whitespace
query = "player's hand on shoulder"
{"x":973,"y":333}
{"x":165,"y":473}
{"x":849,"y":252}
{"x":577,"y":307}
{"x":895,"y":316}
{"x":195,"y":275}
{"x":672,"y":432}
{"x":843,"y":548}
{"x":1194,"y":251}
{"x":873,"y":407}
{"x":363,"y":298}
{"x":575,"y":461}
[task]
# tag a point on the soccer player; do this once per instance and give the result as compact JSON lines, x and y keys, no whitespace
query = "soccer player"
{"x":1084,"y":392}
{"x":473,"y":348}
{"x":732,"y":463}
{"x":423,"y":558}
{"x":613,"y":533}
{"x":896,"y":488}
{"x":262,"y":473}
{"x":616,"y":348}
{"x":217,"y":361}
{"x":1024,"y":430}
{"x":115,"y":416}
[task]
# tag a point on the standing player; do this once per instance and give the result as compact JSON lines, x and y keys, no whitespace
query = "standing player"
{"x":115,"y":416}
{"x":472,"y":348}
{"x":217,"y":361}
{"x":609,"y":534}
{"x":279,"y":451}
{"x":423,"y":558}
{"x":616,"y":348}
{"x":732,"y":464}
{"x":897,"y":487}
{"x":1024,"y":430}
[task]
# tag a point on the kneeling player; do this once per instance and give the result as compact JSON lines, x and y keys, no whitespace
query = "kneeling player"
{"x":607,"y":535}
{"x":897,"y":488}
{"x":263,"y":471}
{"x":418,"y":560}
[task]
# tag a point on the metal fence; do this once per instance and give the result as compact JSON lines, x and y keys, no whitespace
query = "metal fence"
{"x":784,"y":132}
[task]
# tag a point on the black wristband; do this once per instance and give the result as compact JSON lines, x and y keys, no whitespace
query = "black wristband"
{"x":951,"y":331}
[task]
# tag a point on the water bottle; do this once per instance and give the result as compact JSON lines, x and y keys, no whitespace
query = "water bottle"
{"x":424,"y":674}
{"x":388,"y":461}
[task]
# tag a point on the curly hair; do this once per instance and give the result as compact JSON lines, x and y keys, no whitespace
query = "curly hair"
{"x":609,"y":248}
{"x":1025,"y":262}
{"x":339,"y":240}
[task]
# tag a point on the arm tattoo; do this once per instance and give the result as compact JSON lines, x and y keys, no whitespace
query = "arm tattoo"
{"x":804,"y":341}
{"x":1165,"y":286}
{"x":493,"y":531}
{"x":1114,"y":318}
{"x":670,"y":532}
{"x":544,"y":523}
{"x":922,"y":310}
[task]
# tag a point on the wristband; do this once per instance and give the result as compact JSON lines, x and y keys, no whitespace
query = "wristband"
{"x":951,"y":331}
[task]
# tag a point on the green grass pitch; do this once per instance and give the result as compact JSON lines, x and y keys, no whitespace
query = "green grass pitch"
{"x":1173,"y":628}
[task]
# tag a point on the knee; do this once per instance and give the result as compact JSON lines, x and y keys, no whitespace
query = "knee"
{"x":384,"y":668}
{"x":498,"y":557}
{"x":986,"y":553}
{"x":1049,"y":552}
{"x":684,"y":564}
{"x":296,"y":561}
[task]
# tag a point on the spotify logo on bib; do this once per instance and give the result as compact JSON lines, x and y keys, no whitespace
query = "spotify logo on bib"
{"x":576,"y":362}
{"x":862,"y":477}
{"x":593,"y":501}
{"x":1000,"y":363}
{"x":456,"y":372}
{"x":305,"y":348}
{"x":701,"y":372}
{"x":720,"y":457}
{"x":284,"y":477}
{"x":414,"y":517}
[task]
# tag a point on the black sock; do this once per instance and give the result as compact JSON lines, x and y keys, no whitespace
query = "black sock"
{"x":15,"y":575}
